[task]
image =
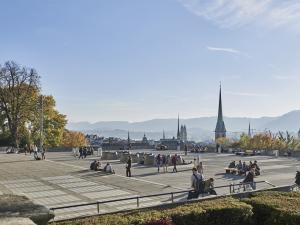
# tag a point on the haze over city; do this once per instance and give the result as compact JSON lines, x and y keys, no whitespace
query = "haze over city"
{"x":139,"y":60}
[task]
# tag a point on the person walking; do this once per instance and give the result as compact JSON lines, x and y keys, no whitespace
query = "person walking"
{"x":165,"y":163}
{"x":128,"y":167}
{"x":200,"y":168}
{"x":84,"y":152}
{"x":43,"y":153}
{"x":174,"y":163}
{"x":80,"y":153}
{"x":35,"y":151}
{"x":158,"y":162}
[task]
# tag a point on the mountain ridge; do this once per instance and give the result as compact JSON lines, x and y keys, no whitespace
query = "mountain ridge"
{"x":205,"y":125}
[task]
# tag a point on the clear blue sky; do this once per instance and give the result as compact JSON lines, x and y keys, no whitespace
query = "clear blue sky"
{"x":142,"y":59}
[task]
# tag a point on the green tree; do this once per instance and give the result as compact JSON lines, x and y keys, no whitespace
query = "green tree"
{"x":244,"y":141}
{"x":53,"y":124}
{"x":18,"y":86}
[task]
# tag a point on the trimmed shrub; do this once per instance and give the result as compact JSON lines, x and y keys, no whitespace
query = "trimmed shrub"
{"x":166,"y":221}
{"x":225,"y":211}
{"x":213,"y":212}
{"x":275,"y":208}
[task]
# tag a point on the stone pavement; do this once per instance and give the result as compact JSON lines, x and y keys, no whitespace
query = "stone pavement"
{"x":64,"y":180}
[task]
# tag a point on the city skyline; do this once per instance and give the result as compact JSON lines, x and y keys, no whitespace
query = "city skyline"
{"x":136,"y":61}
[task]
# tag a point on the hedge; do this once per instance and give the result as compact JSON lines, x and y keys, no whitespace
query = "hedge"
{"x":275,"y":208}
{"x":263,"y":208}
{"x":223,"y":211}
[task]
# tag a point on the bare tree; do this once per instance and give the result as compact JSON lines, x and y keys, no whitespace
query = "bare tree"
{"x":19,"y":90}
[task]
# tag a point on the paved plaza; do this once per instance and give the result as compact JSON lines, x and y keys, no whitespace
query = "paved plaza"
{"x":63,"y":180}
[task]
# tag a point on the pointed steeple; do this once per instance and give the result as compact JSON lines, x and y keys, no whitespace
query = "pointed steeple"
{"x":128,"y":138}
{"x":249,"y":130}
{"x":220,"y":110}
{"x":178,"y":131}
{"x":164,"y":136}
{"x":220,"y":130}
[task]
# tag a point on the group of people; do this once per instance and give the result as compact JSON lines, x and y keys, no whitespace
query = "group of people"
{"x":164,"y":160}
{"x":83,"y":152}
{"x":96,"y":166}
{"x":243,"y":168}
{"x":200,"y":185}
{"x":38,"y":153}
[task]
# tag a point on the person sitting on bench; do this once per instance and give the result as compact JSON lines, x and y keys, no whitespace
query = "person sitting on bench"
{"x":232,"y":164}
{"x":239,"y":165}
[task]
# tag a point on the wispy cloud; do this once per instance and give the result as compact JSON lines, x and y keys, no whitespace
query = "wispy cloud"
{"x":238,"y":13}
{"x":247,"y":94}
{"x":228,"y":50}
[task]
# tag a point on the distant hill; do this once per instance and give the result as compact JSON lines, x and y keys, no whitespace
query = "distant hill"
{"x":198,"y":128}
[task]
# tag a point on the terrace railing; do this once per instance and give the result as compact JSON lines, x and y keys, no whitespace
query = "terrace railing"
{"x":233,"y":188}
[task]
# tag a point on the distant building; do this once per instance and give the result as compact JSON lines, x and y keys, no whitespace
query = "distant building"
{"x":174,"y":143}
{"x":171,"y":143}
{"x":220,"y":130}
{"x":94,"y":139}
{"x":118,"y":144}
{"x":183,"y":133}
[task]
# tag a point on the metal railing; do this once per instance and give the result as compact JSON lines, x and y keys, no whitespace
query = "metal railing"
{"x":231,"y":186}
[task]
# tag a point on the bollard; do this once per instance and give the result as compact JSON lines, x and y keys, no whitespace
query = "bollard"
{"x":230,"y":191}
{"x":138,"y":202}
{"x":98,"y":207}
{"x":172,"y":197}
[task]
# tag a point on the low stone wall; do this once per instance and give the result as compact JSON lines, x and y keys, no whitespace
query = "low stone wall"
{"x":109,"y":155}
{"x":60,"y":149}
{"x":12,"y":206}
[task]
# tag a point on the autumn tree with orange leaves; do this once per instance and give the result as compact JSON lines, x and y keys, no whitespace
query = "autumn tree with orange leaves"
{"x":73,"y":139}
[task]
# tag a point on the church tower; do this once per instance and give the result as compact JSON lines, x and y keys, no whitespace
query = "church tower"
{"x":220,"y":130}
{"x":128,"y":138}
{"x":249,"y":131}
{"x":178,"y":130}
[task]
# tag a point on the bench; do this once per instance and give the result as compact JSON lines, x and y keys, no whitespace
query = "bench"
{"x":231,"y":170}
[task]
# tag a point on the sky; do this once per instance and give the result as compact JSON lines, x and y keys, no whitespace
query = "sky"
{"x":136,"y":60}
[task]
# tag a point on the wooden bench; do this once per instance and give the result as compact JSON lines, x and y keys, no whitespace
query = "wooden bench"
{"x":231,"y":170}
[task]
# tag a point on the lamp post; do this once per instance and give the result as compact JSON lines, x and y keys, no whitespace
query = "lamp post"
{"x":41,"y":122}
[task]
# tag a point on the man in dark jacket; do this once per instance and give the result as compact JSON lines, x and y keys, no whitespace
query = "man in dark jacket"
{"x":128,"y":167}
{"x":249,"y":179}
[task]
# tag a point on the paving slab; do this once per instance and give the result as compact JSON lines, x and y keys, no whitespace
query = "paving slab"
{"x":62,"y":179}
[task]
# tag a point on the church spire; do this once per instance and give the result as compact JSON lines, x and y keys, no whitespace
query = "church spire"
{"x":220,"y":110}
{"x":220,"y":130}
{"x":249,"y":130}
{"x":178,"y":131}
{"x":164,"y":136}
{"x":128,"y":138}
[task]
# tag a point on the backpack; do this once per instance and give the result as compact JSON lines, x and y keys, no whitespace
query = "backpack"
{"x":200,"y":184}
